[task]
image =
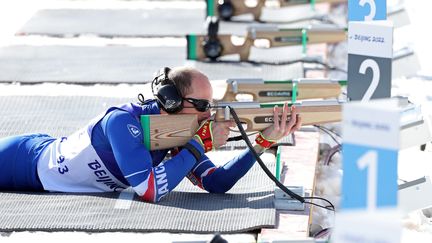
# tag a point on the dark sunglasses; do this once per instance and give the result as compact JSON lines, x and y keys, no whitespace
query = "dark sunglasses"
{"x":199,"y":104}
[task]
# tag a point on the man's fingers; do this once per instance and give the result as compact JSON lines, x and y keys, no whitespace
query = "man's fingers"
{"x":295,"y":127}
{"x":284,"y":117}
{"x":276,"y":117}
{"x":298,"y":123}
{"x":293,"y":117}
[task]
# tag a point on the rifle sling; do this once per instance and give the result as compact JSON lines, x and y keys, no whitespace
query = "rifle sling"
{"x":193,"y":151}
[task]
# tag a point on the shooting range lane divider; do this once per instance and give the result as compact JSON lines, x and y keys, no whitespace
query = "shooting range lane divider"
{"x":276,"y":37}
{"x":278,"y":163}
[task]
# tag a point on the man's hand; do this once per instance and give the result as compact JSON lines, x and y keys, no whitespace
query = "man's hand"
{"x":221,"y":131}
{"x":282,"y":127}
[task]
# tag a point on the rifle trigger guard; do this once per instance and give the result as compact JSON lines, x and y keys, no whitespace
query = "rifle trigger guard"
{"x":227,"y":113}
{"x":234,"y":86}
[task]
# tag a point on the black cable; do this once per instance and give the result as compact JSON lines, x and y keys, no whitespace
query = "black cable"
{"x":330,"y":207}
{"x":269,"y":174}
{"x":331,"y":153}
{"x":329,"y":132}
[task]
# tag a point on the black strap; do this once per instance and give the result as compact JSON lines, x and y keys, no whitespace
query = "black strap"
{"x":194,"y":151}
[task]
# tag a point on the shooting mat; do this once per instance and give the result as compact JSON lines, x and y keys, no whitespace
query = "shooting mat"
{"x":247,"y":206}
{"x":158,"y":22}
{"x":126,"y":64}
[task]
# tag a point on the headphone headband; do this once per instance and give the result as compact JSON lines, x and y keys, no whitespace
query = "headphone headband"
{"x":166,"y":94}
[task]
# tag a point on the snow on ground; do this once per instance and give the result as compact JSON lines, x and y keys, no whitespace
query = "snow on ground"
{"x":414,"y":162}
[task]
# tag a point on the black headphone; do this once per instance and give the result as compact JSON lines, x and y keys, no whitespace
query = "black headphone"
{"x":166,"y":93}
{"x":212,"y":46}
{"x":225,"y":9}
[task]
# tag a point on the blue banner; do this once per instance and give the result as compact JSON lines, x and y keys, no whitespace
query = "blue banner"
{"x":367,"y":10}
{"x":370,"y":177}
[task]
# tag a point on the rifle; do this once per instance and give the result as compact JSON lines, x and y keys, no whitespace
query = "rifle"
{"x":213,"y":46}
{"x":272,"y":91}
{"x":168,"y":131}
{"x":228,"y":9}
{"x":284,"y":3}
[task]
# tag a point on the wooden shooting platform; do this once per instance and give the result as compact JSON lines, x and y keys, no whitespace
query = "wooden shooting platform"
{"x":298,"y":168}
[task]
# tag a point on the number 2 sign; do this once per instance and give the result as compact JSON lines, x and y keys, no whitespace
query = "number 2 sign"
{"x":370,"y":53}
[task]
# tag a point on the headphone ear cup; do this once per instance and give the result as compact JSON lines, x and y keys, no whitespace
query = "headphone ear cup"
{"x":226,"y":10}
{"x":169,"y":98}
{"x":212,"y":49}
{"x":211,"y":45}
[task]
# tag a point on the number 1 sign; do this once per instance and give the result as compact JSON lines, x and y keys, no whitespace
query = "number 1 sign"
{"x":370,"y":150}
{"x":369,"y":183}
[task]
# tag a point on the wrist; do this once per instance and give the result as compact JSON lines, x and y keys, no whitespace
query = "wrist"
{"x":204,"y":136}
{"x":259,"y":149}
{"x":262,"y":141}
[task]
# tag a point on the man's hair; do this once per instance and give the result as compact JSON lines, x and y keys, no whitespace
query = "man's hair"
{"x":182,"y":78}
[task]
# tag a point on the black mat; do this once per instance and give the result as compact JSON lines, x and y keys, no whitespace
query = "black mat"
{"x":57,"y":116}
{"x":247,"y":206}
{"x":125,"y":64}
{"x":156,"y":22}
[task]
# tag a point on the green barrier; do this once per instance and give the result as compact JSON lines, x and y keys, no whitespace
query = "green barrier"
{"x":191,"y":47}
{"x":145,"y":123}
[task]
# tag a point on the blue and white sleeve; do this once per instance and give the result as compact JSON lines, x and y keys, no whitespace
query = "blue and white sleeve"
{"x":135,"y":162}
{"x":221,"y":179}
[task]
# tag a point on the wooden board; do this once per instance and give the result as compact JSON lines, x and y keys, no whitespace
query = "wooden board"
{"x":299,"y":163}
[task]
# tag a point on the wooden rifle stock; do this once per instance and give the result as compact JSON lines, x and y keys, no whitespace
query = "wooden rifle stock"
{"x":168,"y":131}
{"x":287,"y":3}
{"x":239,"y":7}
{"x":261,"y":116}
{"x":275,"y":36}
{"x":273,"y":91}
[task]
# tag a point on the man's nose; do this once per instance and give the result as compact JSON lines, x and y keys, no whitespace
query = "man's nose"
{"x":204,"y":116}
